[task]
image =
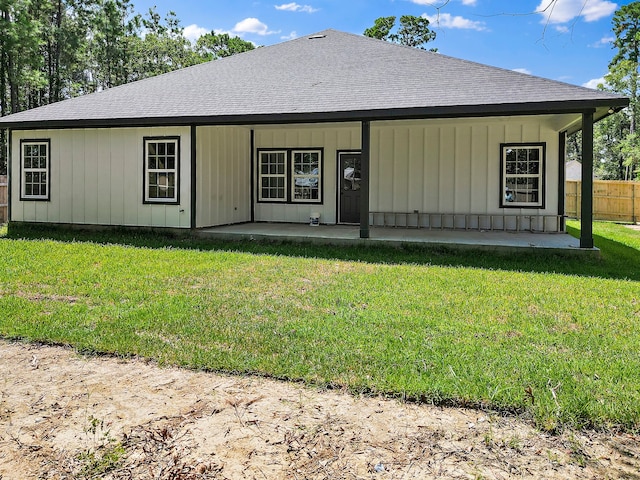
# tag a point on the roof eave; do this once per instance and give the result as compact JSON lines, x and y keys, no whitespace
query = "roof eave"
{"x":454,"y":111}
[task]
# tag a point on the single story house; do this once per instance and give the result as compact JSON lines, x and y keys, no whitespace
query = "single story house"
{"x":355,"y":130}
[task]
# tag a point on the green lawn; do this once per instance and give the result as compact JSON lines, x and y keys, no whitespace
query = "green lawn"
{"x":553,"y":338}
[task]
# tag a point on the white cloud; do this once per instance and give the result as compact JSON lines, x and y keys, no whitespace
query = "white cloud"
{"x":562,"y":11}
{"x":291,"y":36}
{"x":594,"y":83}
{"x":471,"y":3}
{"x":193,"y":32}
{"x":446,"y":20}
{"x":522,"y":70}
{"x":252,"y":25}
{"x":294,"y":7}
{"x":603,"y":42}
{"x":562,"y":28}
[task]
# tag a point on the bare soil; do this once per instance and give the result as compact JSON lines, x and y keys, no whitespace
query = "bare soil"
{"x":66,"y":416}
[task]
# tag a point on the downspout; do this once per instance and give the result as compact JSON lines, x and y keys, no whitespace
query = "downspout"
{"x":586,"y":215}
{"x":364,"y":178}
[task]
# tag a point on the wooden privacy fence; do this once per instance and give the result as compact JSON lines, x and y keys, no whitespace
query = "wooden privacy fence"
{"x":4,"y":190}
{"x":612,"y":200}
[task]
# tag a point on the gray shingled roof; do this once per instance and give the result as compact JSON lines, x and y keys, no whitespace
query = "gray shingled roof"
{"x":327,"y":76}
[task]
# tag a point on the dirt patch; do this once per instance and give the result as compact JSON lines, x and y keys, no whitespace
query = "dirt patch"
{"x":64,"y":416}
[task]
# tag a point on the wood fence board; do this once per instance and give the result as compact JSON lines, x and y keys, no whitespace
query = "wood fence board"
{"x":612,"y":200}
{"x":4,"y":194}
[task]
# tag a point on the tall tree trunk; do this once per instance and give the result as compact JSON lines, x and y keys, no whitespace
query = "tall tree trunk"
{"x":13,"y":84}
{"x":55,"y":94}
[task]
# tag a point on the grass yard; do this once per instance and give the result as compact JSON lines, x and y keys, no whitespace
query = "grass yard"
{"x":553,"y":338}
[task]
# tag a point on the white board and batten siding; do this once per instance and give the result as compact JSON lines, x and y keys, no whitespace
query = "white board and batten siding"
{"x":453,"y":166}
{"x":223,"y":175}
{"x":97,"y":178}
{"x":435,"y":166}
{"x":332,"y":138}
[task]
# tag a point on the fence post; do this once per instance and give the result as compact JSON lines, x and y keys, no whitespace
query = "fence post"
{"x":633,"y":202}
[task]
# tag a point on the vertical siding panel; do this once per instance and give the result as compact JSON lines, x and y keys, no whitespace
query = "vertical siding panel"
{"x":386,"y":180}
{"x":203,"y":189}
{"x":244,"y":203}
{"x":183,"y":211}
{"x":64,"y":186}
{"x":513,"y":132}
{"x":133,"y":160}
{"x":116,"y":176}
{"x":551,"y":170}
{"x":53,"y":207}
{"x":463,"y":161}
{"x":223,"y":175}
{"x":104,"y":189}
{"x":416,"y":169}
{"x":479,"y":168}
{"x":78,"y":203}
{"x":374,"y":169}
{"x":400,"y":161}
{"x":531,"y":132}
{"x":497,"y":136}
{"x":431,"y":202}
{"x":90,"y":161}
{"x":158,"y":215}
{"x":304,"y":138}
{"x":447,"y":166}
{"x":214,"y":179}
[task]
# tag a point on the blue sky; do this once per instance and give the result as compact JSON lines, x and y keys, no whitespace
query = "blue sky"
{"x":566,"y":40}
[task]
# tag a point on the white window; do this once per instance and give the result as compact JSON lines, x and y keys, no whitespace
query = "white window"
{"x":273,"y":176}
{"x":306,"y":176}
{"x":522,"y":175}
{"x":293,"y":176}
{"x":34,"y":163}
{"x":161,"y":159}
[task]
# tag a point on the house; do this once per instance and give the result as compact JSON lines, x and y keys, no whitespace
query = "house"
{"x":355,"y":130}
{"x":573,"y":170}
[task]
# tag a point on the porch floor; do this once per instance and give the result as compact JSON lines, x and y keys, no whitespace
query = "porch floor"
{"x":497,"y":241}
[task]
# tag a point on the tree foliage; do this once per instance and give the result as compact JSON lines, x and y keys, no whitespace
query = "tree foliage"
{"x":411,"y":31}
{"x":51,"y":50}
{"x":617,"y":142}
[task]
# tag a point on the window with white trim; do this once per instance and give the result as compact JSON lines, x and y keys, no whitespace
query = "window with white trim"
{"x":522,"y":175}
{"x":306,"y":176}
{"x":290,"y":175}
{"x":273,"y":176}
{"x":34,"y":163}
{"x":161,"y":161}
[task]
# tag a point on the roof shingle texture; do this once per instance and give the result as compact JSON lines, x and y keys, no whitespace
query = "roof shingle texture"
{"x":327,"y":72}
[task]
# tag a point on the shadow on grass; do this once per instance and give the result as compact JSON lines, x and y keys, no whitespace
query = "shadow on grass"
{"x":618,"y":261}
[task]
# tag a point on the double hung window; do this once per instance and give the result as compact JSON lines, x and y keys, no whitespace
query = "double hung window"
{"x":161,"y":161}
{"x":522,"y":175}
{"x":34,"y":164}
{"x":293,"y":176}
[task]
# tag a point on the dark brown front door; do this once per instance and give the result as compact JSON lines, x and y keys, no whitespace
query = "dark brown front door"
{"x":349,"y":184}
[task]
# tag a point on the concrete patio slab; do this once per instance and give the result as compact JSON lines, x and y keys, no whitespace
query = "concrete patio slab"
{"x":497,"y":241}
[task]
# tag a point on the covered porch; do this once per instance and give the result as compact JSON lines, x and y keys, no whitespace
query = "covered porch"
{"x":494,"y":241}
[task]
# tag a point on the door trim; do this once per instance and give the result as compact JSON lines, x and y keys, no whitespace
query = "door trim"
{"x":339,"y":153}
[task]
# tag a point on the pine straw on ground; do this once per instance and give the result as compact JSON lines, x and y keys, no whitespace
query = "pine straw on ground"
{"x":65,"y":416}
